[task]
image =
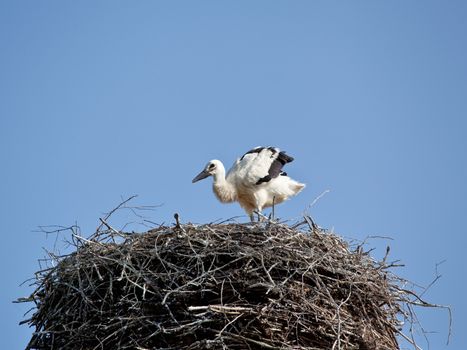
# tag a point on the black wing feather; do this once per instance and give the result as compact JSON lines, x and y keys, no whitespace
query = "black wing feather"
{"x":254,"y":150}
{"x":276,"y":167}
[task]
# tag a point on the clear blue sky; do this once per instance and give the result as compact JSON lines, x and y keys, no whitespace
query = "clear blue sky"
{"x":106,"y":99}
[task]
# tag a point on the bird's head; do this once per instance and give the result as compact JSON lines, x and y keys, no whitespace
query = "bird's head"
{"x":210,"y":169}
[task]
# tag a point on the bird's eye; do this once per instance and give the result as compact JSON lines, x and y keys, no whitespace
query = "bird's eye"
{"x":212,"y":166}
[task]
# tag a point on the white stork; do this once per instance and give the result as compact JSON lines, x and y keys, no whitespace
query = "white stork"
{"x":256,"y":180}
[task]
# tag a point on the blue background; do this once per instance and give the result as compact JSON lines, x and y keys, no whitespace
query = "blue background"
{"x":101,"y":100}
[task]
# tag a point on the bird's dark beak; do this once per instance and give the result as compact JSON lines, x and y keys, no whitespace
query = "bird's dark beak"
{"x":202,"y":175}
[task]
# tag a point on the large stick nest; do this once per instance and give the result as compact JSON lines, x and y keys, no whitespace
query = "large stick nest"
{"x":219,"y":286}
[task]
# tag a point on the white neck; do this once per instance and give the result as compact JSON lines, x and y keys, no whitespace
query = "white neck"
{"x":222,"y":188}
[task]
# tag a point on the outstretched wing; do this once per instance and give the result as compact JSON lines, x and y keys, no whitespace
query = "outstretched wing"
{"x":276,"y":166}
{"x":259,"y":165}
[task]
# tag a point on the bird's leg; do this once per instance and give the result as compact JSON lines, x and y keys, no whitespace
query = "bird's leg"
{"x":258,"y":212}
{"x":259,"y":208}
{"x":273,"y":203}
{"x":261,"y":216}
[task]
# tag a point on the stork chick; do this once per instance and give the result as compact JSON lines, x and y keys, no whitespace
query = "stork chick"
{"x":256,"y":180}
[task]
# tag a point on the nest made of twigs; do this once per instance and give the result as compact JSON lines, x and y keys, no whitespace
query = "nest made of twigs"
{"x":219,"y":286}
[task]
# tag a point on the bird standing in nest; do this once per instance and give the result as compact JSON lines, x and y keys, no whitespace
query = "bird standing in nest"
{"x":256,"y":180}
